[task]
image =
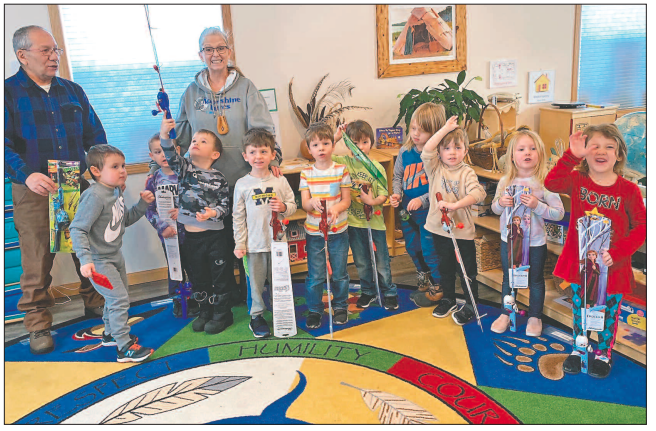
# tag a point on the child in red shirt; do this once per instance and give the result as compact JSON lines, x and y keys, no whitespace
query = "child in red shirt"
{"x":589,"y":172}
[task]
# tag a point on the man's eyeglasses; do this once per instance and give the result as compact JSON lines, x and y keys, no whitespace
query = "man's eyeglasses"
{"x":48,"y":51}
{"x":208,"y":50}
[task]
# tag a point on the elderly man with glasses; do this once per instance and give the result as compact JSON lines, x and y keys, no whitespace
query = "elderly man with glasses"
{"x":46,"y":118}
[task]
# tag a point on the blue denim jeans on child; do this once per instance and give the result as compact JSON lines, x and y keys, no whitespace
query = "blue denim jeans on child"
{"x":419,"y":244}
{"x":359,"y":240}
{"x":537,"y":258}
{"x":338,"y":246}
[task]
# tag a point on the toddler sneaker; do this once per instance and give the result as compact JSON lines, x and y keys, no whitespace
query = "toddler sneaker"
{"x":340,"y":316}
{"x":429,"y":297}
{"x":108,"y":340}
{"x":534,"y":327}
{"x":572,"y":364}
{"x":313,"y":320}
{"x":502,"y":324}
{"x":364,"y":301}
{"x":444,"y":307}
{"x":259,"y":327}
{"x":133,"y":353}
{"x":464,"y":315}
{"x":391,"y":302}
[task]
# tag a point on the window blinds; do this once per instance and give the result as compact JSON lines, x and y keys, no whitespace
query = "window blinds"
{"x":613,"y":55}
{"x":112,"y":58}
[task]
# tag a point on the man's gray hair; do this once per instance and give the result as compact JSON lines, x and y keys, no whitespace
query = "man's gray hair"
{"x":21,"y":39}
{"x":210,"y":31}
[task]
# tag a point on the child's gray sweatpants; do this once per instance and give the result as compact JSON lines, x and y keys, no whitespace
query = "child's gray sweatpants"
{"x":117,"y":302}
{"x":259,"y":270}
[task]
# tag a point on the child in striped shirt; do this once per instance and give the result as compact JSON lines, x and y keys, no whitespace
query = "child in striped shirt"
{"x":330,"y":181}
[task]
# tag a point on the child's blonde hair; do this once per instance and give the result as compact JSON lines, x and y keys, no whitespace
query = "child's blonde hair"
{"x":431,"y":117}
{"x":540,"y":171}
{"x":609,"y":131}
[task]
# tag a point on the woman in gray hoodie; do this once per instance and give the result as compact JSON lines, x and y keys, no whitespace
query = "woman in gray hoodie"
{"x":223,"y":100}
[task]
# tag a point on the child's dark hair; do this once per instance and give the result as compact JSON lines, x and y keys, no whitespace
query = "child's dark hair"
{"x":456,"y":135}
{"x":259,"y":137}
{"x":97,"y":155}
{"x":319,"y":130}
{"x":218,"y":146}
{"x":359,"y":129}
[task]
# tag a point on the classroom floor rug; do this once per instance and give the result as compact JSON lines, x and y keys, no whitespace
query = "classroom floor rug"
{"x":401,"y":366}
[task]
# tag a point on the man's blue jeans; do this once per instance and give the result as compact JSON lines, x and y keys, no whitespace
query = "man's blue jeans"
{"x":359,"y":240}
{"x":537,"y":258}
{"x":338,"y":246}
{"x":419,"y":245}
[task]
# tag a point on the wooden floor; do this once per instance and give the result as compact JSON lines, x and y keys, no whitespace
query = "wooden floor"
{"x":403,"y":272}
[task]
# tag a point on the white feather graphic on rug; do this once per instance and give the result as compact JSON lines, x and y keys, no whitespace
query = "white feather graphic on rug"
{"x":171,"y":397}
{"x":393,"y":409}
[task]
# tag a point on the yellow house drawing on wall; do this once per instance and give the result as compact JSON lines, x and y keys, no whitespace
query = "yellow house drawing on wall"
{"x":542,"y":84}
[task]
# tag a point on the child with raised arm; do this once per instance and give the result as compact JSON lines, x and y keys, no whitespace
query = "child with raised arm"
{"x":165,"y":179}
{"x":204,"y":202}
{"x":410,"y":194}
{"x":589,"y":172}
{"x":97,"y":235}
{"x":363,"y":136}
{"x":256,"y":195}
{"x":330,"y":181}
{"x":443,"y":157}
{"x":528,"y":168}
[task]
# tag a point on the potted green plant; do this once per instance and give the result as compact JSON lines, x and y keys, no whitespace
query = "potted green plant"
{"x":461,"y":102}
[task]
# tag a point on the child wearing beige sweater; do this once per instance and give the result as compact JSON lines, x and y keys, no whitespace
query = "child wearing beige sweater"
{"x":443,"y":158}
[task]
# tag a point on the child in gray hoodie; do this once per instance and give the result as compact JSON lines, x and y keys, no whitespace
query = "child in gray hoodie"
{"x":97,"y":235}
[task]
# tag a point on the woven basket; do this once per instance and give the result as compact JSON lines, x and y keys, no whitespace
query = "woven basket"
{"x":488,"y":254}
{"x":487,"y":156}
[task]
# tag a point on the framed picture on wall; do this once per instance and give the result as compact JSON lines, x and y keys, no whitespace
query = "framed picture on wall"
{"x":416,"y":40}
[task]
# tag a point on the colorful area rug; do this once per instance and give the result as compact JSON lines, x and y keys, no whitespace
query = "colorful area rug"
{"x":401,"y":366}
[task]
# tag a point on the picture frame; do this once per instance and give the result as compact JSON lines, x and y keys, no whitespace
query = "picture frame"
{"x":427,"y":40}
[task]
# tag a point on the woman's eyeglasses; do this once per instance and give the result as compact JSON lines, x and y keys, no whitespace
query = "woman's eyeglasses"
{"x":209,"y":50}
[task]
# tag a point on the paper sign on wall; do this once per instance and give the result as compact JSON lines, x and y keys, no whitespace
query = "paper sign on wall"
{"x":541,"y":86}
{"x":269,"y":95}
{"x":503,"y":73}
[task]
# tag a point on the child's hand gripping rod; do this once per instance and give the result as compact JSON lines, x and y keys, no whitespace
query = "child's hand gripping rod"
{"x":323,"y":227}
{"x":372,"y":246}
{"x":446,"y":225}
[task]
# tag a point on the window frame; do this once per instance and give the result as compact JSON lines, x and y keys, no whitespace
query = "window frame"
{"x":65,"y":66}
{"x":575,"y":63}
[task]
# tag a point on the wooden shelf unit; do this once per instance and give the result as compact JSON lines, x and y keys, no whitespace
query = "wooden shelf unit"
{"x":494,"y":277}
{"x":292,"y":168}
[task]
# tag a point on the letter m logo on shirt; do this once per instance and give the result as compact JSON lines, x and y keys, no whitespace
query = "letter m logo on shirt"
{"x":262,"y":197}
{"x":414,"y":176}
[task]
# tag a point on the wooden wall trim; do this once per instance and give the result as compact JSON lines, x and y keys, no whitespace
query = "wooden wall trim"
{"x":58,"y":33}
{"x":575,"y":56}
{"x":227,"y":27}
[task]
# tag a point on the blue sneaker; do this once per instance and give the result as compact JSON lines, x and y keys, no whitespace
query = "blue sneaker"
{"x":133,"y":353}
{"x":259,"y":327}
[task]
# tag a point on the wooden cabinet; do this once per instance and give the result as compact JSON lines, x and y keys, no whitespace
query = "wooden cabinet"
{"x":561,"y":123}
{"x":552,"y":309}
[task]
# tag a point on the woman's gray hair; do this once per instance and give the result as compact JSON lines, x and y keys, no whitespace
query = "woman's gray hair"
{"x":21,"y":39}
{"x":210,"y":31}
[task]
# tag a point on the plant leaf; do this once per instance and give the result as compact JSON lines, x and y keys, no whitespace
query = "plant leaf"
{"x":461,"y":77}
{"x":452,"y":84}
{"x":461,"y":106}
{"x":171,"y":397}
{"x":393,"y":409}
{"x":474,"y":113}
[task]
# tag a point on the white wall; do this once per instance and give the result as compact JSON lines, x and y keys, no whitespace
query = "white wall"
{"x":17,"y":16}
{"x":274,"y":43}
